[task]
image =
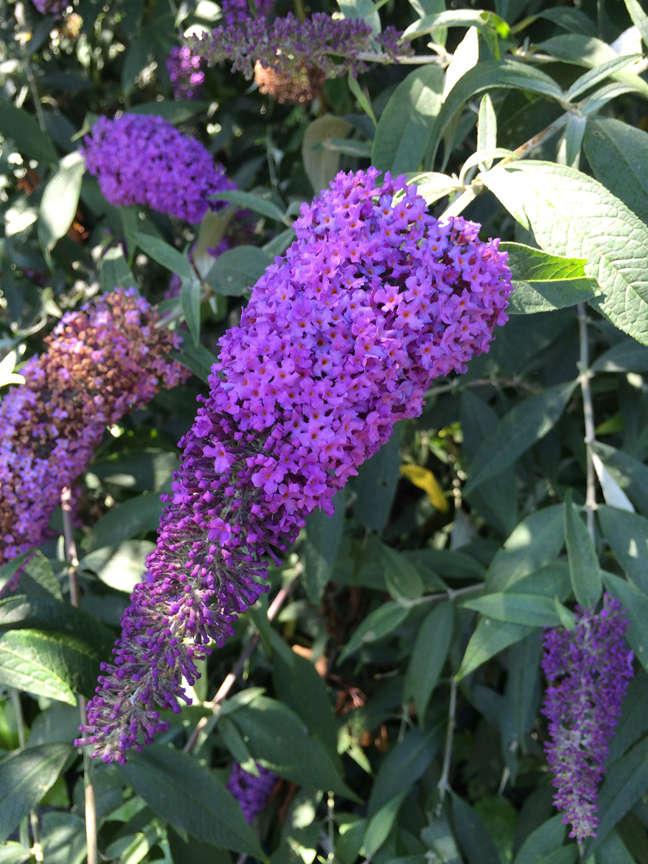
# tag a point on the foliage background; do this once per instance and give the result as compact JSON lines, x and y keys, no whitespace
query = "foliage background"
{"x":397,"y":690}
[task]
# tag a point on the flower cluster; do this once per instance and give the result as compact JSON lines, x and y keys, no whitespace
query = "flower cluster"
{"x":143,"y":159}
{"x":288,"y":48}
{"x":186,"y":63}
{"x":250,"y":790}
{"x":588,"y":669}
{"x":340,"y":339}
{"x":186,"y":68}
{"x":101,"y":361}
{"x":51,"y":7}
{"x":237,"y":12}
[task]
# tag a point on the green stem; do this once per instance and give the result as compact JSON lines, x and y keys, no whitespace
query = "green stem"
{"x":37,"y":849}
{"x":588,"y":416}
{"x":73,"y":581}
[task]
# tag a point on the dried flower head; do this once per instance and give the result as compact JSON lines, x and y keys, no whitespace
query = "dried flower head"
{"x":588,"y":669}
{"x":101,"y":361}
{"x":339,"y":341}
{"x":301,"y":85}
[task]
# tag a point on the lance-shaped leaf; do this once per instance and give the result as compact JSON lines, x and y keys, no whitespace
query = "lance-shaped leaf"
{"x":526,"y":423}
{"x":403,"y":132}
{"x":25,"y":777}
{"x":190,"y":797}
{"x":583,"y":563}
{"x":484,"y":76}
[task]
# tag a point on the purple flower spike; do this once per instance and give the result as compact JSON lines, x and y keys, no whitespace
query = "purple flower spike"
{"x":252,"y":792}
{"x":588,"y":670}
{"x":143,"y":159}
{"x":101,"y":361}
{"x":340,"y":340}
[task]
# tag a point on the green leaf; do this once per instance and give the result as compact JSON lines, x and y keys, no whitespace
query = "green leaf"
{"x":135,"y":516}
{"x":321,"y":164}
{"x":120,"y":567}
{"x":532,"y":610}
{"x":237,"y":270}
{"x":534,"y":543}
{"x":627,"y":534}
{"x":489,"y":638}
{"x":589,"y":51}
{"x":60,"y":200}
{"x":428,"y":657}
{"x":361,"y":9}
{"x":402,"y":134}
{"x":638,"y":17}
{"x":377,"y":625}
{"x":457,"y":18}
{"x":625,"y":356}
{"x":250,"y":201}
{"x":276,"y":736}
{"x":544,"y":282}
{"x":190,"y":299}
{"x":25,"y":777}
{"x":543,"y":843}
{"x":529,"y":298}
{"x":534,"y":265}
{"x":190,"y":797}
{"x":8,"y":570}
{"x":521,"y":428}
{"x":381,"y":824}
{"x":197,"y":358}
{"x":630,"y":473}
{"x":323,"y":536}
{"x":583,"y":562}
{"x":361,"y":96}
{"x":617,"y":154}
{"x":376,"y":485}
{"x":484,"y":76}
{"x":613,"y":851}
{"x":625,"y":782}
{"x":159,"y":250}
{"x":402,"y":579}
{"x":571,"y":214}
{"x":115,"y":272}
{"x":635,"y":603}
{"x":437,"y":836}
{"x":48,"y":664}
{"x":605,"y":70}
{"x":14,"y":853}
{"x":45,"y":612}
{"x":473,"y":837}
{"x":301,"y":688}
{"x":19,"y":126}
{"x":402,"y":766}
{"x":486,"y":126}
{"x":432,"y":185}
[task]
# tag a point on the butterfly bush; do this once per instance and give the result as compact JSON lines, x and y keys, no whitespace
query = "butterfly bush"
{"x":143,"y":159}
{"x":340,"y":339}
{"x":289,"y":57}
{"x":588,"y":669}
{"x":101,"y":361}
{"x":251,"y":790}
